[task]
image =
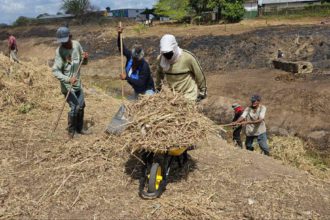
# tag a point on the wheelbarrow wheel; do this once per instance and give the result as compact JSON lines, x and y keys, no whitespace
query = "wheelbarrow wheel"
{"x":155,"y":178}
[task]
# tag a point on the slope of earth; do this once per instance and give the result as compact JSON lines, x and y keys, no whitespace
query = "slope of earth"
{"x":295,"y":106}
{"x":45,"y":176}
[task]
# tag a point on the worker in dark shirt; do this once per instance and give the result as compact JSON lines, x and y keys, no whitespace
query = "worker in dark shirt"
{"x":237,"y":129}
{"x":137,"y":71}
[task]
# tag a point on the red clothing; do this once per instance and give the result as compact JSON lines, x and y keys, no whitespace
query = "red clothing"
{"x":238,"y":110}
{"x":12,"y":42}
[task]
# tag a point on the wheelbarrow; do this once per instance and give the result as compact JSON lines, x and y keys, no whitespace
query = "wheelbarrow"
{"x":156,"y":171}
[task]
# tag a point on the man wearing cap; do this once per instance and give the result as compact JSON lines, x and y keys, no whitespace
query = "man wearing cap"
{"x":137,"y":71}
{"x":254,"y":117}
{"x":181,"y":70}
{"x":69,"y":56}
{"x":238,"y":128}
{"x":12,"y":47}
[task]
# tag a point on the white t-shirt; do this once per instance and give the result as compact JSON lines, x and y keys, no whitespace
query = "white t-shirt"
{"x":251,"y":114}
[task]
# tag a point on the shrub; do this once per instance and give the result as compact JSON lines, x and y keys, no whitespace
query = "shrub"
{"x":233,"y":12}
{"x":21,"y":21}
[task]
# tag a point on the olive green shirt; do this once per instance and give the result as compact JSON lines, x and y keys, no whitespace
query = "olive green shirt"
{"x":184,"y":76}
{"x":66,"y":65}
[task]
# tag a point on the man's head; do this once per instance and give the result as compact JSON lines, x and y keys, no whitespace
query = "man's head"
{"x":8,"y":34}
{"x":168,"y":45}
{"x":64,"y":37}
{"x":137,"y":53}
{"x":235,"y":106}
{"x":255,"y":100}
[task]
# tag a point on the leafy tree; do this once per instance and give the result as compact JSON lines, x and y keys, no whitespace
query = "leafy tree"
{"x":199,"y":6}
{"x":230,"y":10}
{"x":76,"y":7}
{"x":216,"y":4}
{"x":175,"y":9}
{"x":233,"y":12}
{"x":20,"y":21}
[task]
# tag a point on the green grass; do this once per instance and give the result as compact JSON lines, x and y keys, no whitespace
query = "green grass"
{"x":140,"y":28}
{"x":26,"y":108}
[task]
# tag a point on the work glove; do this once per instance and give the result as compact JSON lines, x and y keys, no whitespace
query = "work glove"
{"x":202,"y":95}
{"x":158,"y":89}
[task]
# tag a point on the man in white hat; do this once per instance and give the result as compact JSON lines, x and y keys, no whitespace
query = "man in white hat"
{"x":181,"y":70}
{"x":66,"y":69}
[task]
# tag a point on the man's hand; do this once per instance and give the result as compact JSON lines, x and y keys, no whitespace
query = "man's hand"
{"x":158,"y":89}
{"x":85,"y":55}
{"x":123,"y":76}
{"x":73,"y":80}
{"x":85,"y":58}
{"x":120,"y":30}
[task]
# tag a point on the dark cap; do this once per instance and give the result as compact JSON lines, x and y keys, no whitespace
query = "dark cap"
{"x":137,"y":52}
{"x":63,"y":34}
{"x":255,"y":98}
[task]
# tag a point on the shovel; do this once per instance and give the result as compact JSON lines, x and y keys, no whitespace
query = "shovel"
{"x":119,"y":121}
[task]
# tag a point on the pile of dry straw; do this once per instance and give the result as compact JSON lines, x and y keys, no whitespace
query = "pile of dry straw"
{"x":163,"y":121}
{"x":25,"y":85}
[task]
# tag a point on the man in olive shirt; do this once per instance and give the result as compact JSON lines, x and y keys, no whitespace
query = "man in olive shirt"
{"x":255,"y":124}
{"x":68,"y":57}
{"x":181,"y":70}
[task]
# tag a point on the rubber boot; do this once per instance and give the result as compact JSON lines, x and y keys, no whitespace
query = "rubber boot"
{"x":80,"y":120}
{"x":80,"y":123}
{"x":71,"y":126}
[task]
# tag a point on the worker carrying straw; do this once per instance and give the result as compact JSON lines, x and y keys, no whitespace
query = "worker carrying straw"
{"x":181,"y":70}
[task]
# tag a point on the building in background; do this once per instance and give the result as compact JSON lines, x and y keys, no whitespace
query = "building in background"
{"x":128,"y":13}
{"x":280,"y":6}
{"x":251,"y":9}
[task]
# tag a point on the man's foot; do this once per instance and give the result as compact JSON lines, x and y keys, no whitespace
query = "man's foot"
{"x":84,"y":132}
{"x":70,"y":135}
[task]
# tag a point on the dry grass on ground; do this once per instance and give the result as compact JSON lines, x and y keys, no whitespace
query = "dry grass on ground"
{"x":44,"y":176}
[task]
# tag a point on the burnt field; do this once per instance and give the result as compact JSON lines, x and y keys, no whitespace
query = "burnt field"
{"x":253,"y":49}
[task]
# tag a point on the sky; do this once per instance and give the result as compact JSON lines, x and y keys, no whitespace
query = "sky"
{"x":10,"y":10}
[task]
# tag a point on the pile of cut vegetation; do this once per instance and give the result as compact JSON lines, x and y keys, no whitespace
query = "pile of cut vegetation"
{"x":25,"y":85}
{"x":162,"y":122}
{"x":291,"y":150}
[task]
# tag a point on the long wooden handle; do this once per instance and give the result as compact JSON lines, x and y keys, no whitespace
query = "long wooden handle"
{"x":122,"y":60}
{"x":242,"y":123}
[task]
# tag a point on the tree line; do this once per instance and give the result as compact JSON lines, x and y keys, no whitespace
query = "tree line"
{"x":229,"y":10}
